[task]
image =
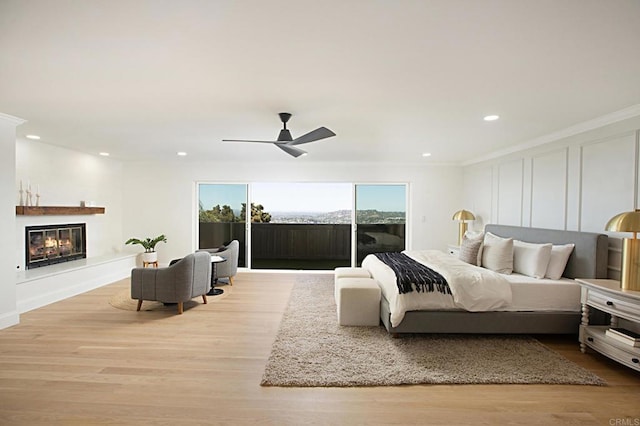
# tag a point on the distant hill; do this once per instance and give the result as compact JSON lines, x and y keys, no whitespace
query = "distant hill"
{"x":338,"y":217}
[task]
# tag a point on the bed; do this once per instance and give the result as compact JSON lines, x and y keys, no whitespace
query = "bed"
{"x":524,"y":315}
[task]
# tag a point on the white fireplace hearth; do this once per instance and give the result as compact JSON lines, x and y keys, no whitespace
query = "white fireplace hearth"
{"x":41,"y":286}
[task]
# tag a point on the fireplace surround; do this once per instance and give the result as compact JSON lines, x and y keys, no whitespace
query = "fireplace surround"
{"x":51,"y":244}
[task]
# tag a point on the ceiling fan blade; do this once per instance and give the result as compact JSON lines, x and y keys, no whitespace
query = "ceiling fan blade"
{"x":291,"y":150}
{"x":314,"y":135}
{"x":244,"y":140}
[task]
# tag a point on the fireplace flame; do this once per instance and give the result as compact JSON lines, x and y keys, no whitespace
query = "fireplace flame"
{"x":50,"y":242}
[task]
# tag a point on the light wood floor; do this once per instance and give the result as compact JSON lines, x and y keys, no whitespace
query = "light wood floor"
{"x":83,"y":362}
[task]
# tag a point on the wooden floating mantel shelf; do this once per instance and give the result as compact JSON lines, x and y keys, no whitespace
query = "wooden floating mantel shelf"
{"x":57,"y":210}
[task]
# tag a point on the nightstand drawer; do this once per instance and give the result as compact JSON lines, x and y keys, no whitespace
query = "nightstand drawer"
{"x":595,"y":338}
{"x":613,"y":305}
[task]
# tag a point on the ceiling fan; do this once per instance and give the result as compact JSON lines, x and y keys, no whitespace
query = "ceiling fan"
{"x":286,"y":143}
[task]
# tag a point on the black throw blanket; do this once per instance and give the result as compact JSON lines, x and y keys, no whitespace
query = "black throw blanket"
{"x":410,"y":274}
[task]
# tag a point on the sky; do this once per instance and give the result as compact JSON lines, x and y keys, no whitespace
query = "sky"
{"x":302,"y":197}
{"x":232,"y":195}
{"x":385,"y":198}
{"x":305,"y":197}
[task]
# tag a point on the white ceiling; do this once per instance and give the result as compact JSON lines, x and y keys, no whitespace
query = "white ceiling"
{"x":393,"y":79}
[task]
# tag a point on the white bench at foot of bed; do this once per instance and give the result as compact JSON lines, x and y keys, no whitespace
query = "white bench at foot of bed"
{"x":358,"y":301}
{"x":347,"y":272}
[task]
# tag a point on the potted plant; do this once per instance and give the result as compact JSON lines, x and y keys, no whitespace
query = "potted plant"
{"x":149,"y":245}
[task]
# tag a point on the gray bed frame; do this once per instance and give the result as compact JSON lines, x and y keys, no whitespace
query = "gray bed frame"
{"x":588,"y":260}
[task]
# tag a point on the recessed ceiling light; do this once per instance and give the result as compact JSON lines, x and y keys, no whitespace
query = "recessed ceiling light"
{"x":104,"y":154}
{"x":426,"y":154}
{"x":491,"y":117}
{"x":34,"y":137}
{"x":182,"y":153}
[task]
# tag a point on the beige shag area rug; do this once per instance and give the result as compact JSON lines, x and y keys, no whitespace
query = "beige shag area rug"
{"x":122,"y":300}
{"x":311,"y":349}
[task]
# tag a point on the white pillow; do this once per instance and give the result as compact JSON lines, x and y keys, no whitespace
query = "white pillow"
{"x":531,"y":259}
{"x":497,"y":253}
{"x":471,"y":248}
{"x":558,"y":261}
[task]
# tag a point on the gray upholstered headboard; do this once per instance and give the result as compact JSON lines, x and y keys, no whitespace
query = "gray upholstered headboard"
{"x":590,"y":255}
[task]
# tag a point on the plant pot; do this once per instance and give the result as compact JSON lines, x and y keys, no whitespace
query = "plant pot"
{"x":150,"y":256}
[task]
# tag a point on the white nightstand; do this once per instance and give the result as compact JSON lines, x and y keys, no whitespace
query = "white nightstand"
{"x":453,"y":250}
{"x":607,"y":296}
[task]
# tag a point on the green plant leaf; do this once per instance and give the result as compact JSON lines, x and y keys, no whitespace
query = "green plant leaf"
{"x":149,"y":244}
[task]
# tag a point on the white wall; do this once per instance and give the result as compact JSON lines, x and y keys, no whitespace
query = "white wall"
{"x":573,"y":183}
{"x":163,"y":199}
{"x":8,"y":312}
{"x":65,"y":178}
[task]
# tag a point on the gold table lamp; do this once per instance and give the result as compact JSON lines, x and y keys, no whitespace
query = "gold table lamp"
{"x":462,"y":216}
{"x":630,"y":271}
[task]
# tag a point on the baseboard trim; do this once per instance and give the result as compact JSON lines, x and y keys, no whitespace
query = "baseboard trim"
{"x":9,"y":319}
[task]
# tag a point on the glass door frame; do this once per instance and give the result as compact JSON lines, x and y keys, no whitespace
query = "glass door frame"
{"x":354,"y":224}
{"x":196,"y":244}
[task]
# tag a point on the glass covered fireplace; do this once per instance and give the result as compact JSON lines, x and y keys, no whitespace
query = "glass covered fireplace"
{"x":49,"y":244}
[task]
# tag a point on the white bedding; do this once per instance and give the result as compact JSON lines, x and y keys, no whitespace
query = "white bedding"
{"x":473,"y":289}
{"x":531,"y":294}
{"x":526,"y":293}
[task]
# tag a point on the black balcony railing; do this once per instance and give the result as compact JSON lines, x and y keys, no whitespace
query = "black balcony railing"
{"x":213,"y":235}
{"x":300,"y":246}
{"x":303,"y":246}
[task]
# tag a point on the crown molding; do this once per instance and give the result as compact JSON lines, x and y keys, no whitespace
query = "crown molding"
{"x":11,"y":119}
{"x":585,"y":126}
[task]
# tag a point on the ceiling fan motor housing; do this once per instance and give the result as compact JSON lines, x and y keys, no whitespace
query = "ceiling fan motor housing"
{"x":285,"y":134}
{"x":284,"y":117}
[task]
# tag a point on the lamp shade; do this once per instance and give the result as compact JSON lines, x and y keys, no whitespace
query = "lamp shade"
{"x":625,"y":222}
{"x":463,"y":215}
{"x":630,"y":261}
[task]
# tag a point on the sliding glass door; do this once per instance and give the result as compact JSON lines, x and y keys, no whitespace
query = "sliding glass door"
{"x":222,"y":216}
{"x":380,"y":219}
{"x":311,"y":226}
{"x":301,"y":225}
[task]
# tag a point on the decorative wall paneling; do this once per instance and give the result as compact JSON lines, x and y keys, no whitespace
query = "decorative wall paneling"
{"x":578,"y":184}
{"x":608,"y":180}
{"x":510,"y":192}
{"x":548,"y":195}
{"x":478,"y":196}
{"x":608,"y":186}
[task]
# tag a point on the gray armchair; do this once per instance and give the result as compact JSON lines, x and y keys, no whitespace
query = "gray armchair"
{"x":180,"y":282}
{"x":229,"y":268}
